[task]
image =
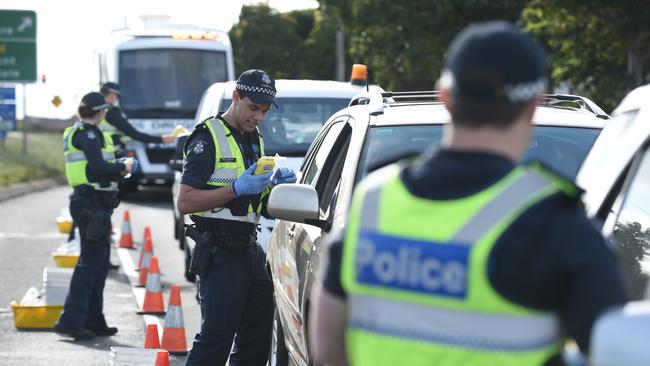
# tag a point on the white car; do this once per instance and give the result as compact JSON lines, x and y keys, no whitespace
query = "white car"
{"x":303,"y":108}
{"x":375,"y":130}
{"x":616,"y":176}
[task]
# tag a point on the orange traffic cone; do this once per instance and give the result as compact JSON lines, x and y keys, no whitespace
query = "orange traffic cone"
{"x":173,"y":338}
{"x":153,"y":297}
{"x":145,"y":258}
{"x":126,"y":239}
{"x":162,"y":358}
{"x":151,"y":339}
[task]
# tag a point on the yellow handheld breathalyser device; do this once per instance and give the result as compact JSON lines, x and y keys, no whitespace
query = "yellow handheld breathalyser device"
{"x":265,"y":164}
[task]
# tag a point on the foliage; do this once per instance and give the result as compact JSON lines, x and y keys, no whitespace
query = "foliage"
{"x":632,"y":244}
{"x":404,"y":43}
{"x":44,"y":158}
{"x":296,"y":45}
{"x":590,"y":41}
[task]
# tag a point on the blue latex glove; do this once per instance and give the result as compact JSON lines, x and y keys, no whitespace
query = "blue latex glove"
{"x":284,"y":175}
{"x":249,"y":184}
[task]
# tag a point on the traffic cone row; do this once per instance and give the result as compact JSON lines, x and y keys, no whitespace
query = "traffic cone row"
{"x":173,"y":335}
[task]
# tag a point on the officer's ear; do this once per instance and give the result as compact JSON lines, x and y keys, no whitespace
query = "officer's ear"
{"x":446,"y":98}
{"x":235,"y":96}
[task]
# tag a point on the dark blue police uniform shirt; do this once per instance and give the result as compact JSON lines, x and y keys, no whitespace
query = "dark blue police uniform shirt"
{"x":551,"y":258}
{"x":117,"y":118}
{"x":90,"y":141}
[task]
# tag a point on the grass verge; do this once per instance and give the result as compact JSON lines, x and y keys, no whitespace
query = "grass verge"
{"x":44,"y":157}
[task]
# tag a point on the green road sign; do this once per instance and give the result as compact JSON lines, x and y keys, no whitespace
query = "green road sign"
{"x":17,"y":46}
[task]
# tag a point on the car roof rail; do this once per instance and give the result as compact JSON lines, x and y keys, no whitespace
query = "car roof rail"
{"x":412,"y":96}
{"x":574,"y":102}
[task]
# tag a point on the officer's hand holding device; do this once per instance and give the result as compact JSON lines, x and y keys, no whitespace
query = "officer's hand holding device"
{"x":249,"y":184}
{"x":283,"y":175}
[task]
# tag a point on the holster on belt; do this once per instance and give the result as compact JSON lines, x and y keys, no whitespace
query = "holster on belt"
{"x":99,"y":225}
{"x":201,"y":256}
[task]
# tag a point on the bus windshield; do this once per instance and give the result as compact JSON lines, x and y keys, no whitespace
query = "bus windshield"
{"x":167,"y":83}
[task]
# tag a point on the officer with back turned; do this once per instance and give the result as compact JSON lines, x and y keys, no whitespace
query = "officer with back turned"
{"x":225,"y":200}
{"x":93,"y":173}
{"x":465,"y":257}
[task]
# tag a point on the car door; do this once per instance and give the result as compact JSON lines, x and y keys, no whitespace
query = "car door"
{"x":627,"y":224}
{"x":322,"y":170}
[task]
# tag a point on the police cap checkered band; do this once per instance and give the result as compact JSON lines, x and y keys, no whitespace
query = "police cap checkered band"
{"x":494,"y":61}
{"x":95,"y":101}
{"x":258,"y":85}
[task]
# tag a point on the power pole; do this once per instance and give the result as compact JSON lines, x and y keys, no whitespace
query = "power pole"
{"x":340,"y":53}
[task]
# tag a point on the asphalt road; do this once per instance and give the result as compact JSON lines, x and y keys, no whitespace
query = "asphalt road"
{"x":28,"y":236}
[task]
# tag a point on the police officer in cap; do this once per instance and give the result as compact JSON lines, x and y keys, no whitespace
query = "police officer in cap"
{"x":117,"y":124}
{"x":465,"y":257}
{"x":93,"y":173}
{"x":225,"y":200}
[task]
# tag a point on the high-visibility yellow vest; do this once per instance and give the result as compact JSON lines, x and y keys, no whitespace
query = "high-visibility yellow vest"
{"x":76,"y":162}
{"x":415,"y":271}
{"x":228,"y":166}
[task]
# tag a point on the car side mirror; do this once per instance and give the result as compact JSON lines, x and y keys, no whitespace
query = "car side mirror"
{"x":621,"y":336}
{"x":295,"y":202}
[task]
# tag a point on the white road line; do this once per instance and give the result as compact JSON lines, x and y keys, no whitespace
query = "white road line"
{"x":138,"y":292}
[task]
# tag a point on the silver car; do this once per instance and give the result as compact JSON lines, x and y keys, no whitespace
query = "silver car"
{"x":376,"y":130}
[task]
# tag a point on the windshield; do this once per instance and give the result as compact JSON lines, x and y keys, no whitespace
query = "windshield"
{"x":167,"y":83}
{"x":561,"y":148}
{"x":289,"y":129}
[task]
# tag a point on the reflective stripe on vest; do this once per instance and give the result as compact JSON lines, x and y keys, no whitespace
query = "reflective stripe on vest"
{"x":410,"y":292}
{"x":229,"y":165}
{"x":457,"y":328}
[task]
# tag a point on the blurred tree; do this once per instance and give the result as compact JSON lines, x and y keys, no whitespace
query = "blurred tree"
{"x":298,"y":44}
{"x":631,"y":243}
{"x":597,"y":46}
{"x":404,"y":43}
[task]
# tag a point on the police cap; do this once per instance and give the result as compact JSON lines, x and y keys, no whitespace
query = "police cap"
{"x":94,"y":101}
{"x":110,"y":87}
{"x":494,"y":61}
{"x":258,"y":85}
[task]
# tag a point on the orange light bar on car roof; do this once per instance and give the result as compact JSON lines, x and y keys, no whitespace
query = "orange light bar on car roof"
{"x":359,"y":74}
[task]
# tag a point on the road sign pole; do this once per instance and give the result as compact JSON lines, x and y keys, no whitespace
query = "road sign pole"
{"x":24,"y":121}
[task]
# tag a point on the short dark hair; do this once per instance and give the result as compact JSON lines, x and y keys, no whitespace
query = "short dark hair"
{"x":242,"y":94}
{"x":474,"y":113}
{"x":87,"y":111}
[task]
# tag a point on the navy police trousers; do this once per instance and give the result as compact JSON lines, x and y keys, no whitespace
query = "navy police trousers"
{"x":236,"y":298}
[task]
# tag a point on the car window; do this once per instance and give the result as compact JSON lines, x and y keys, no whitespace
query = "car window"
{"x":631,"y":233}
{"x":289,"y":129}
{"x":561,"y":148}
{"x":331,"y":172}
{"x":317,"y":162}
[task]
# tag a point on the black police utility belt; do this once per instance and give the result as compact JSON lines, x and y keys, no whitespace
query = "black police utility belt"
{"x":206,"y":241}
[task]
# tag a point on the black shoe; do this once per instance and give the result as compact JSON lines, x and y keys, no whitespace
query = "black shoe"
{"x":106,"y":331}
{"x":113,"y":267}
{"x":78,"y":333}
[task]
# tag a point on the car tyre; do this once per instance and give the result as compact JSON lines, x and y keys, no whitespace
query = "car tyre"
{"x":278,"y":355}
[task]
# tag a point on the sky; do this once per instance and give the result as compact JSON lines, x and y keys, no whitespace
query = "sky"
{"x":71,"y":32}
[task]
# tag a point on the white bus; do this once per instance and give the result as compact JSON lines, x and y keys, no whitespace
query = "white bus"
{"x":163,"y":69}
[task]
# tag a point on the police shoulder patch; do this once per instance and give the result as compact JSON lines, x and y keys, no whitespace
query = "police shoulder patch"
{"x":91,"y":135}
{"x":199,"y":147}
